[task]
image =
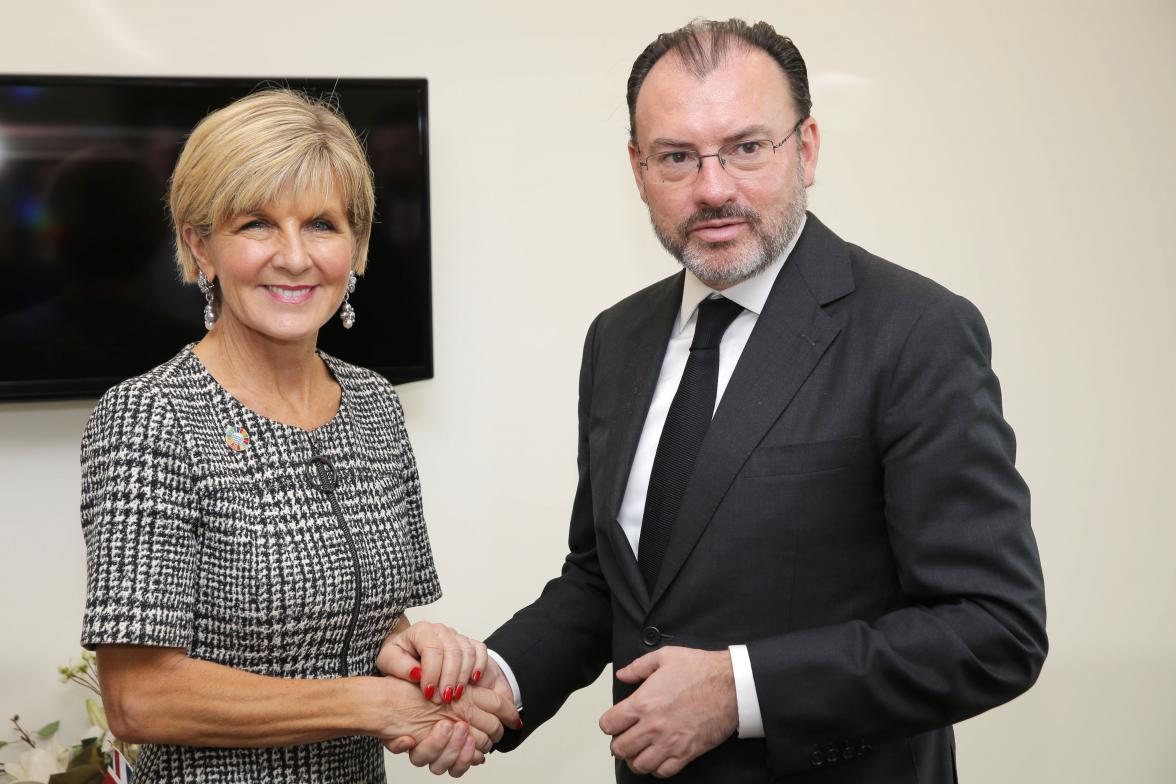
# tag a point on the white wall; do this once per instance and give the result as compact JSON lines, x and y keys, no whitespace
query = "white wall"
{"x":1018,"y":152}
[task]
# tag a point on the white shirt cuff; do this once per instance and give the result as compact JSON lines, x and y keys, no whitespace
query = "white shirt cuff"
{"x":514,"y":684}
{"x":751,"y":721}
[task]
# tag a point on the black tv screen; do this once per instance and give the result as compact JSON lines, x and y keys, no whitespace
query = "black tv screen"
{"x":89,"y":292}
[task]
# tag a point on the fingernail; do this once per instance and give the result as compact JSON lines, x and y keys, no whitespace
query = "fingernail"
{"x":477,"y":676}
{"x":415,"y":675}
{"x":460,"y":689}
{"x":519,"y":726}
{"x":429,"y":691}
{"x":448,"y":694}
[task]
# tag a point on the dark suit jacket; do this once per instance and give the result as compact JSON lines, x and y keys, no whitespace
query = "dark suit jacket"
{"x":854,"y":517}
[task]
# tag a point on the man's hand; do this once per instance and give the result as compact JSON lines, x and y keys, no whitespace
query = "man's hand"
{"x":495,"y":680}
{"x":685,"y":707}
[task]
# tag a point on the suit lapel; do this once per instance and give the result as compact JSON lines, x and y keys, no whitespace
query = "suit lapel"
{"x":642,"y":347}
{"x":789,"y":338}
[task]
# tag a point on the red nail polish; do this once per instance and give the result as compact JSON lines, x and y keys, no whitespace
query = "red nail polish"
{"x":415,"y":675}
{"x":477,"y":676}
{"x":429,"y":691}
{"x":448,"y":694}
{"x":460,"y":689}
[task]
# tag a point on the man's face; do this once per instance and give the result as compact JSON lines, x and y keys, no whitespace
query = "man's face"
{"x":723,"y":228}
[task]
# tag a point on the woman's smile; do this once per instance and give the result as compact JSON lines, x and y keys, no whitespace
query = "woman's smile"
{"x":290,"y":295}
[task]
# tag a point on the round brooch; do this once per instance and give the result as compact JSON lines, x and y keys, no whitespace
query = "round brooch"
{"x":236,"y":438}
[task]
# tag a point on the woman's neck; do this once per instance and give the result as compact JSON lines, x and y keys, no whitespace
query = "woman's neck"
{"x":282,"y":380}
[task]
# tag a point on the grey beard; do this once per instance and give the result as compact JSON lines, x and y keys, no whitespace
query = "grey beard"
{"x":769,"y":243}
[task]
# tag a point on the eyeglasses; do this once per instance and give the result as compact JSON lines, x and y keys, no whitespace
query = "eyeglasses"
{"x":739,"y":159}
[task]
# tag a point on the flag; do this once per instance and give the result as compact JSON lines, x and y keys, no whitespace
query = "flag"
{"x":119,"y":771}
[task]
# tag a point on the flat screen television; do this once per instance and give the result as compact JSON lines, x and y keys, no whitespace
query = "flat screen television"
{"x":89,"y":293}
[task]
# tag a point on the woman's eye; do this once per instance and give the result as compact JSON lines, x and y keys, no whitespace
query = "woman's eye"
{"x":252,"y":225}
{"x":322,"y":225}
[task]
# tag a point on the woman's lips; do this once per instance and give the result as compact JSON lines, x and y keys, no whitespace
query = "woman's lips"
{"x":290,"y":295}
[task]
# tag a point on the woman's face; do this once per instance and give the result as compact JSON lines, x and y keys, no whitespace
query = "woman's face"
{"x":282,"y":271}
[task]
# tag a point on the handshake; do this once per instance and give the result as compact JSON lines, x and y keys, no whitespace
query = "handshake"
{"x":445,"y":702}
{"x":449,"y":702}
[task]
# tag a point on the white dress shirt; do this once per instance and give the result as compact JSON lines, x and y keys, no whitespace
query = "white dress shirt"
{"x":751,"y":294}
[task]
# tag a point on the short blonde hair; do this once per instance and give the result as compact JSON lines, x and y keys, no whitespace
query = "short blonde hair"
{"x":241,"y":158}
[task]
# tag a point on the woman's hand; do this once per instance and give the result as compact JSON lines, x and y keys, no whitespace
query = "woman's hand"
{"x":397,"y":709}
{"x":448,"y":748}
{"x":441,"y":660}
{"x":448,"y":737}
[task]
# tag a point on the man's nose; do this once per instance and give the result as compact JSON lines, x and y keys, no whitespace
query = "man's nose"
{"x":713,"y":186}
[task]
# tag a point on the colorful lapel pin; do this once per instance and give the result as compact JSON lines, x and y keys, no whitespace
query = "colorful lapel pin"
{"x":237,"y":438}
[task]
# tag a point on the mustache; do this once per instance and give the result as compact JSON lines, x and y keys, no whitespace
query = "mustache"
{"x":727,"y":211}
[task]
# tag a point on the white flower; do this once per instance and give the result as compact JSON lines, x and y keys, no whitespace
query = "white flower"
{"x":98,"y":734}
{"x":40,"y":763}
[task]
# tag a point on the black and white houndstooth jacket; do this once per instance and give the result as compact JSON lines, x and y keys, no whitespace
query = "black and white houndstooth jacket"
{"x":252,"y":544}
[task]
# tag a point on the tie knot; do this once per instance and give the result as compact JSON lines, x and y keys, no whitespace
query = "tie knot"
{"x":714,"y":316}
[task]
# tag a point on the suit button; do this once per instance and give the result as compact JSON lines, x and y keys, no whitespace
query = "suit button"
{"x":832,"y":753}
{"x":817,"y":758}
{"x":651,"y":636}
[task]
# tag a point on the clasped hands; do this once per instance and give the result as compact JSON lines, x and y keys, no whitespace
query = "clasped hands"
{"x":452,"y":699}
{"x":684,"y":705}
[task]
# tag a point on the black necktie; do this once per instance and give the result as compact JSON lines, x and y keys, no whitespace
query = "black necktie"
{"x":686,"y":424}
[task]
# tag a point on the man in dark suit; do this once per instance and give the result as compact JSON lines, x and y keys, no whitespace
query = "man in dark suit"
{"x":823,"y":576}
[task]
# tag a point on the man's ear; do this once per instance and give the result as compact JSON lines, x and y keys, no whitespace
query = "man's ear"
{"x":810,"y":149}
{"x":196,"y":244}
{"x":638,"y":174}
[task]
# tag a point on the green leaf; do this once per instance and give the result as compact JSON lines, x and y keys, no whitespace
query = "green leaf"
{"x":96,"y":714}
{"x":48,"y":730}
{"x":3,"y":743}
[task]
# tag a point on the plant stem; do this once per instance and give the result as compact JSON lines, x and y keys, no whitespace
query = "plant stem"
{"x":86,"y":681}
{"x":24,"y":736}
{"x":92,"y":681}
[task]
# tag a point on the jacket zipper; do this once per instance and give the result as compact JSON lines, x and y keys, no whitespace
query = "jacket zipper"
{"x":322,"y":476}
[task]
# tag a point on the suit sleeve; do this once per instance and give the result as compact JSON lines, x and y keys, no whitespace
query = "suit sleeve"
{"x":971,"y":632}
{"x":562,"y":641}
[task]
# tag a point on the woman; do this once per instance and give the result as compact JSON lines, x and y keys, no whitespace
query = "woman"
{"x":251,"y":507}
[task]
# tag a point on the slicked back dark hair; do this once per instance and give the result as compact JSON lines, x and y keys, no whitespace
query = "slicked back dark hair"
{"x":703,"y":45}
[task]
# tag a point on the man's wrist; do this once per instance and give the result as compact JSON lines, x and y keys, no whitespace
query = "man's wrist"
{"x":508,"y":673}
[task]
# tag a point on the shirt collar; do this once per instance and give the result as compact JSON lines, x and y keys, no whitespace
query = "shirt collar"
{"x":750,"y":294}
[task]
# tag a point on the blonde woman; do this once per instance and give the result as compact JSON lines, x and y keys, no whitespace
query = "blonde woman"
{"x":251,"y":507}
